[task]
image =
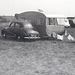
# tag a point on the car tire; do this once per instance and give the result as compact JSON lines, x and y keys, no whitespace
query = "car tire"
{"x":21,"y":37}
{"x":4,"y":35}
{"x":16,"y":37}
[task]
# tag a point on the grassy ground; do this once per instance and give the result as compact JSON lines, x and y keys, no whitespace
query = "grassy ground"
{"x":40,"y":57}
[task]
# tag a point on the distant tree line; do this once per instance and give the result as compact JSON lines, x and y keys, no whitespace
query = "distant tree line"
{"x":7,"y":18}
{"x":3,"y":19}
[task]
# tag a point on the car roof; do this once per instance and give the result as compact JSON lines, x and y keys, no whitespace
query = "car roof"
{"x":16,"y":22}
{"x":21,"y":21}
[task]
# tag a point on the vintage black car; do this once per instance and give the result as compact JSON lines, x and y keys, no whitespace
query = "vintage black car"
{"x":20,"y":29}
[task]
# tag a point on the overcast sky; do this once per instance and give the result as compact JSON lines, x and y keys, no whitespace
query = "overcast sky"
{"x":65,"y":7}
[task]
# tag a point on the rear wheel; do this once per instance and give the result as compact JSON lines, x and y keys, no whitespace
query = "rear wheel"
{"x":4,"y":35}
{"x":17,"y":37}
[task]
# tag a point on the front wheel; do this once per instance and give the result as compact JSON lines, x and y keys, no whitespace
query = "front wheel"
{"x":17,"y":37}
{"x":21,"y":37}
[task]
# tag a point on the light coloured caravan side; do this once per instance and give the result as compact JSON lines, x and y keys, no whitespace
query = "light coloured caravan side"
{"x":53,"y":27}
{"x":57,"y":20}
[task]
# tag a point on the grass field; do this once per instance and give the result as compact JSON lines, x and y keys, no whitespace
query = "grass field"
{"x":38,"y":57}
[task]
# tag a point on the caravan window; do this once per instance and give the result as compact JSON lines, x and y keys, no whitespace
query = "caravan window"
{"x":52,"y":21}
{"x":61,"y":21}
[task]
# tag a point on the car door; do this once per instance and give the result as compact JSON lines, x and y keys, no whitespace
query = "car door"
{"x":17,"y":28}
{"x":11,"y":28}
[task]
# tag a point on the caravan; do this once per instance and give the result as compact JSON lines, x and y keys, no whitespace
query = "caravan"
{"x":55,"y":27}
{"x":55,"y":24}
{"x":71,"y":21}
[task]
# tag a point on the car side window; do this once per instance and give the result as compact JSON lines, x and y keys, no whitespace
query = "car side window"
{"x":12,"y":25}
{"x":17,"y":25}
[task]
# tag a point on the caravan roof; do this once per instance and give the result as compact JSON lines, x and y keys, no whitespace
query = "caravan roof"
{"x":55,"y":15}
